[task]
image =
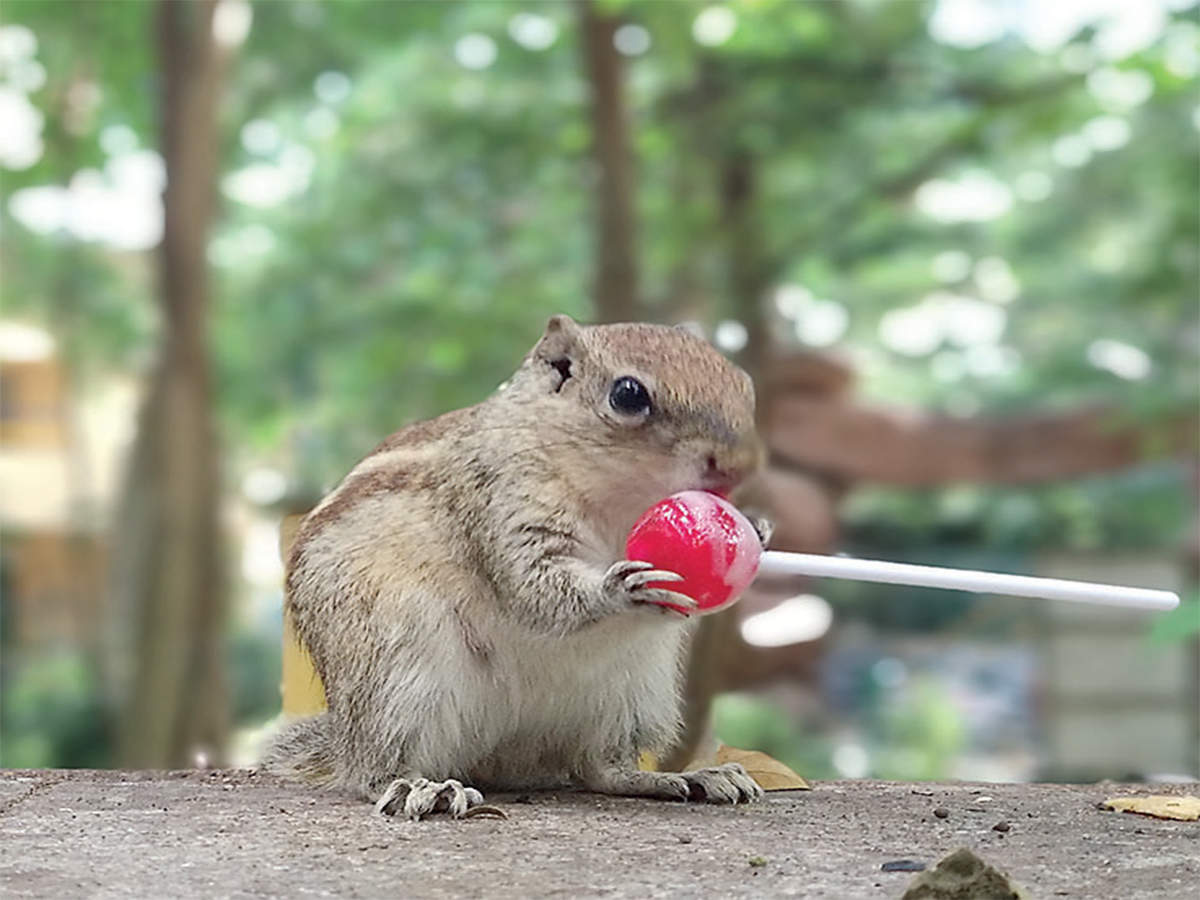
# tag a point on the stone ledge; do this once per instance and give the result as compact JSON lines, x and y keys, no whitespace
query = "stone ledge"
{"x":235,"y":833}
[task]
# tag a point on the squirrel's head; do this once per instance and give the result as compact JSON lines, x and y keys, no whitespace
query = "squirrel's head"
{"x":655,"y":403}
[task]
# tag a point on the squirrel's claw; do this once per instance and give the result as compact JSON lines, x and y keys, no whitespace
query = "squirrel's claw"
{"x":764,"y":528}
{"x":668,"y":599}
{"x":635,"y":580}
{"x":632,"y":578}
{"x":623,"y":568}
{"x":420,"y":796}
{"x":728,"y":783}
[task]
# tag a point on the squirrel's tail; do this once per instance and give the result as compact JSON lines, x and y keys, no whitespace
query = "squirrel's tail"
{"x":303,"y":751}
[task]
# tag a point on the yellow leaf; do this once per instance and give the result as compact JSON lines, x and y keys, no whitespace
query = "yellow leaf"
{"x":1185,"y":809}
{"x":771,"y":774}
{"x":303,"y":692}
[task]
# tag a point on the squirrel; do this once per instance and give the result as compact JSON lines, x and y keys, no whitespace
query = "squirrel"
{"x":464,"y":595}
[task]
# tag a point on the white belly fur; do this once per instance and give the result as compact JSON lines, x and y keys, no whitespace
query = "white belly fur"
{"x":541,"y":705}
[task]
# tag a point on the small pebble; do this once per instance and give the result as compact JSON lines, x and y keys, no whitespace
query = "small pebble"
{"x":941,"y":812}
{"x":685,"y":840}
{"x":903,"y":865}
{"x":1001,"y":826}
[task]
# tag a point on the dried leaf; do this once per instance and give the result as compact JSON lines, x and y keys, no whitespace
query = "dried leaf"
{"x":487,"y":811}
{"x":1185,"y":809}
{"x":771,"y":774}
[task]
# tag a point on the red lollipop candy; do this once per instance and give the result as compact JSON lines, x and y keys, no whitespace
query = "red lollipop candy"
{"x":705,"y":539}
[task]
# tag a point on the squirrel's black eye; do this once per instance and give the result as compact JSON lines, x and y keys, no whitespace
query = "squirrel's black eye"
{"x":629,"y":396}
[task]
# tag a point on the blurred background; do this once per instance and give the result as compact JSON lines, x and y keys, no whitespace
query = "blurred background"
{"x":955,"y":242}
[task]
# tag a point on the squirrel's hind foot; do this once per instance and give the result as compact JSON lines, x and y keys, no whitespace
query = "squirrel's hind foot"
{"x":418,"y":797}
{"x":728,"y":783}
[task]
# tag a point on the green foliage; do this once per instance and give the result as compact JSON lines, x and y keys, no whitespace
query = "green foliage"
{"x":436,"y":235}
{"x":912,"y":732}
{"x":438,"y":213}
{"x":446,"y":209}
{"x":920,"y":736}
{"x":1181,"y":624}
{"x":255,"y":661}
{"x":1145,"y":508}
{"x":915,"y":736}
{"x":753,"y":723}
{"x":52,"y":714}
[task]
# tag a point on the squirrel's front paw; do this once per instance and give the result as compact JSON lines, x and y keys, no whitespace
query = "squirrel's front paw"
{"x":629,"y":581}
{"x":764,"y":528}
{"x":420,"y":796}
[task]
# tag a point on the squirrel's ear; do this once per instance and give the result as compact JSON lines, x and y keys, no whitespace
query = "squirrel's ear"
{"x":560,"y":339}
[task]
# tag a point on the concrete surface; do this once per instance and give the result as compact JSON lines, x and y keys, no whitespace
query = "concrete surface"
{"x":240,"y":834}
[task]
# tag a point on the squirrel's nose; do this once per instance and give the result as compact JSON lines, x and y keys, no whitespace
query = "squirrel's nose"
{"x":726,"y":469}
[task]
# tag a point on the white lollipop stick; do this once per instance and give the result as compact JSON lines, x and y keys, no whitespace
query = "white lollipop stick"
{"x":775,"y":562}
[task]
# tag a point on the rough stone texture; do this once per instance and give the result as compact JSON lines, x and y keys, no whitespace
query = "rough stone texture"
{"x":239,"y":834}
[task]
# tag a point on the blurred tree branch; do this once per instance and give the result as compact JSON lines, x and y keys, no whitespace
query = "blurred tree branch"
{"x":615,"y":286}
{"x":842,"y":442}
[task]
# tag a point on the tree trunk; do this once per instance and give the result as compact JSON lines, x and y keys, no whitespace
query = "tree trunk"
{"x":168,"y":576}
{"x":750,"y":271}
{"x":717,"y":642}
{"x":615,"y":287}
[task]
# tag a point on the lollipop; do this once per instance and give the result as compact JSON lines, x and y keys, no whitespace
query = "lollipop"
{"x":703,"y":538}
{"x":715,"y":548}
